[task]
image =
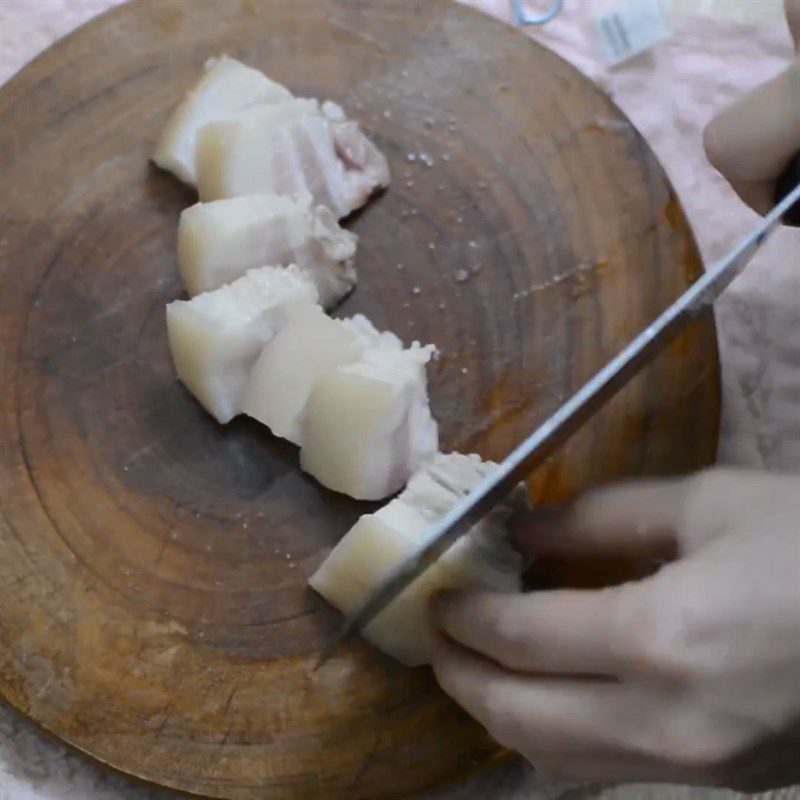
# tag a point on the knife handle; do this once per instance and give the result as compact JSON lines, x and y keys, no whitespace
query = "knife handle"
{"x":787,"y":180}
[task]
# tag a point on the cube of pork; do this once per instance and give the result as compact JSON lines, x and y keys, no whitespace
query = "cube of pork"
{"x":378,"y":542}
{"x":290,"y":147}
{"x":290,"y":365}
{"x":225,"y":87}
{"x":220,"y":241}
{"x":216,"y":337}
{"x":367,"y":425}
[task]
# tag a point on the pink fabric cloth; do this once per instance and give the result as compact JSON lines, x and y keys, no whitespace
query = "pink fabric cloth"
{"x":669,"y":94}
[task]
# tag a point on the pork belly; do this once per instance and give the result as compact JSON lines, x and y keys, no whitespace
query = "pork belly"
{"x":225,"y":87}
{"x":216,"y":337}
{"x":290,"y":147}
{"x":219,"y":241}
{"x":379,"y":542}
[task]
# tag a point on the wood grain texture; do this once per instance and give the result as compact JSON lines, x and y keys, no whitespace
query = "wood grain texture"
{"x":153,"y":606}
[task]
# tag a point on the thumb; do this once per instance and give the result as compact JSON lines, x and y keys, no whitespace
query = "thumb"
{"x":751,"y":141}
{"x":792,"y":8}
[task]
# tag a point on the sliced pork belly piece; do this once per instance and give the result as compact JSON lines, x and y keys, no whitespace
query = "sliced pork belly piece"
{"x":220,"y":241}
{"x":225,"y":87}
{"x":216,"y":337}
{"x":366,"y":167}
{"x":286,"y":148}
{"x":379,"y":541}
{"x":367,"y":425}
{"x":289,"y":366}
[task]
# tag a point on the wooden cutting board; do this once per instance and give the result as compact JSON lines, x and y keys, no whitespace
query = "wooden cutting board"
{"x":153,"y":601}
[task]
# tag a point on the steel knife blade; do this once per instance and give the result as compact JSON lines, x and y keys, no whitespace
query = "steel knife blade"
{"x":560,"y":425}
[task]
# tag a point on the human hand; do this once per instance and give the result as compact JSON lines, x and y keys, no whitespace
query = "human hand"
{"x":689,"y":675}
{"x":752,"y":141}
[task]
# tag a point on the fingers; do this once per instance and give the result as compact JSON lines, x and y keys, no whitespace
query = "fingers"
{"x":719,"y":500}
{"x":652,"y":519}
{"x":559,"y":632}
{"x":751,"y":141}
{"x":792,"y":9}
{"x":615,"y":768}
{"x":533,"y":715}
{"x":577,"y":729}
{"x":638,"y":519}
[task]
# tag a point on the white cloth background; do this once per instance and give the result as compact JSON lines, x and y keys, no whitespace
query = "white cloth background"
{"x":669,"y":93}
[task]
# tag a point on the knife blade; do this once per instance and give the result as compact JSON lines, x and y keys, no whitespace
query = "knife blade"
{"x":560,"y":425}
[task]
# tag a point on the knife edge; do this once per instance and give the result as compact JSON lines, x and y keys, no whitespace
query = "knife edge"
{"x":528,"y":455}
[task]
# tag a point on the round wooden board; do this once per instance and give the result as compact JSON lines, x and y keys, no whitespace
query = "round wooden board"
{"x":153,"y":597}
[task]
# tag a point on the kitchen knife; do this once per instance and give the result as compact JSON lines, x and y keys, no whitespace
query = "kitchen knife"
{"x":571,"y":415}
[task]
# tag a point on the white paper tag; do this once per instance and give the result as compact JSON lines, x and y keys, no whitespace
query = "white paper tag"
{"x":633,"y":27}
